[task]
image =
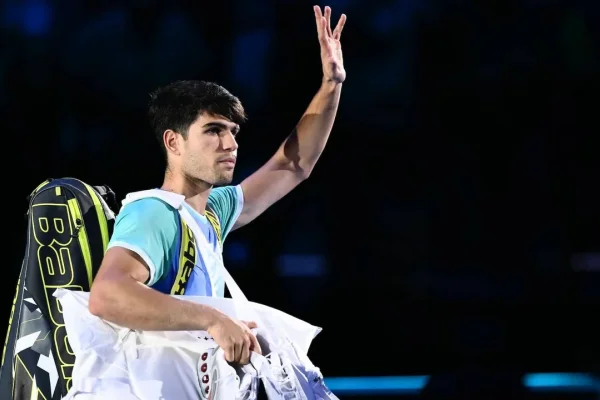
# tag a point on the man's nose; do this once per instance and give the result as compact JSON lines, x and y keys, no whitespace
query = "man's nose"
{"x":229,"y":142}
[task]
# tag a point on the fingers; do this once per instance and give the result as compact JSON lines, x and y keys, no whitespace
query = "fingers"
{"x":250,"y":324}
{"x":318,"y":14}
{"x":328,"y":20}
{"x":239,"y":351}
{"x":319,"y":21}
{"x":324,"y":23}
{"x":229,"y":353}
{"x":245,"y":354}
{"x":324,"y":29}
{"x":254,"y":346}
{"x":337,"y":32}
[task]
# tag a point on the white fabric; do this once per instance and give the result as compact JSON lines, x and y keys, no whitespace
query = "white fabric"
{"x":152,"y":365}
{"x":114,"y":362}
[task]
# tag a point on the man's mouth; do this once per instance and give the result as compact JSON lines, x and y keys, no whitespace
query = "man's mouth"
{"x":230,"y":161}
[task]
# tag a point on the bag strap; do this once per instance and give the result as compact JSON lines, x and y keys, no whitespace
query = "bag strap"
{"x":187,"y":250}
{"x":213,"y":219}
{"x":109,"y":197}
{"x":175,"y":200}
{"x":187,"y":257}
{"x":38,"y":188}
{"x":240,"y":300}
{"x":243,"y":307}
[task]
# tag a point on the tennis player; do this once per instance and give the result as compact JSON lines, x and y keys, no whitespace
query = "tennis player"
{"x":196,"y":124}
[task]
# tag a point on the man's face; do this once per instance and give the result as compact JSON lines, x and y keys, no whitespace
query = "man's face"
{"x":209,"y":153}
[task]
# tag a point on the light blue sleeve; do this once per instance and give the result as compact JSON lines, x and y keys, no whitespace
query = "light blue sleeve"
{"x":227,"y":202}
{"x":149,"y":228}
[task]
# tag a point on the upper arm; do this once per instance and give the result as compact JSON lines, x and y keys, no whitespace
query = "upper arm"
{"x":143,"y":239}
{"x":119,"y":263}
{"x":266,"y":186}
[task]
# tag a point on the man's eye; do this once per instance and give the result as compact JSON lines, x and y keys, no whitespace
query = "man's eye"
{"x":215,"y":131}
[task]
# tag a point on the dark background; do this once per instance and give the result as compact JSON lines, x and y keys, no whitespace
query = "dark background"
{"x":451,"y":226}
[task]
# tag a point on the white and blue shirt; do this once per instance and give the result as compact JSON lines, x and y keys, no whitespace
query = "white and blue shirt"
{"x":151,"y":228}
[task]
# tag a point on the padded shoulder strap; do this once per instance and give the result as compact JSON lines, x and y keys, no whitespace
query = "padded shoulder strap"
{"x":109,"y":197}
{"x":173,"y":199}
{"x":211,"y":216}
{"x":187,"y":257}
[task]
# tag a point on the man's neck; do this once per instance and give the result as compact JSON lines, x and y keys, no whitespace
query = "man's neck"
{"x":195,"y":192}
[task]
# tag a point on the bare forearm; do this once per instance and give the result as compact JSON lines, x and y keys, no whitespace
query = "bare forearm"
{"x":130,"y":304}
{"x":326,"y":101}
{"x":305,"y":145}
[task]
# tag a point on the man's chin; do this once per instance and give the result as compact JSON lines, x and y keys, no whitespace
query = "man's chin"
{"x":223,"y":180}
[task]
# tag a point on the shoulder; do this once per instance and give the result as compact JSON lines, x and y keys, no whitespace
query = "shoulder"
{"x":225,"y":194}
{"x":147,"y":214}
{"x":150,"y":228}
{"x":227,"y":203}
{"x":147,"y":208}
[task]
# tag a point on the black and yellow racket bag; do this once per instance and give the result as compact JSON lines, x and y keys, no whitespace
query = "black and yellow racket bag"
{"x":69,"y":225}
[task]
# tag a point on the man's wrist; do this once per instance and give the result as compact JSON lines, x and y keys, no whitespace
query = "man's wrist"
{"x":329,"y":84}
{"x":207,"y":316}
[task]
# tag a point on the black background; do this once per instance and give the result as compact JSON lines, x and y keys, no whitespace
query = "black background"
{"x":459,"y":182}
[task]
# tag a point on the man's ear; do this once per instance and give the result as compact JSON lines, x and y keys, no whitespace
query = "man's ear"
{"x":172,"y":142}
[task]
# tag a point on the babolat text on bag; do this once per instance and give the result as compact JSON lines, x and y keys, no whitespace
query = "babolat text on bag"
{"x":69,"y":226}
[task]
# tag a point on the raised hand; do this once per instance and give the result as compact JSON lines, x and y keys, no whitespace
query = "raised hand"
{"x":331,"y":48}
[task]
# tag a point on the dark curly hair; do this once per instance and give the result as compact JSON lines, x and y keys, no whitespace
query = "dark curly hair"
{"x":177,"y":105}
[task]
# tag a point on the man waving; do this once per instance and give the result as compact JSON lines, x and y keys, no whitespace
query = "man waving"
{"x":196,"y":124}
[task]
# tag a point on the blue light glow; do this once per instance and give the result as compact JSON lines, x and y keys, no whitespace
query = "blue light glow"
{"x":547,"y":382}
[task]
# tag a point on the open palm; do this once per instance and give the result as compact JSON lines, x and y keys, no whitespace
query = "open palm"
{"x":331,"y":48}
